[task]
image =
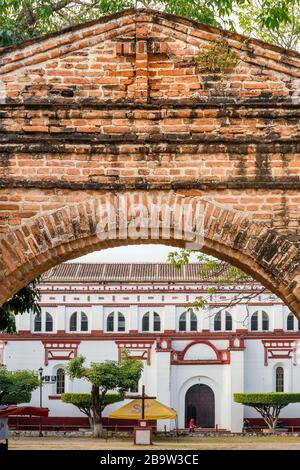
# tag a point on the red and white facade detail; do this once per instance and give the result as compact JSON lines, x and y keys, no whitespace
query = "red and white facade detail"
{"x":98,"y":310}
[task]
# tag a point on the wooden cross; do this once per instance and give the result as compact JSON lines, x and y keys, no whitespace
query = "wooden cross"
{"x":142,"y":397}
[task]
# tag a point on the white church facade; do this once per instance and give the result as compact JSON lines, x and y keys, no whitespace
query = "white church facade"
{"x":244,"y":340}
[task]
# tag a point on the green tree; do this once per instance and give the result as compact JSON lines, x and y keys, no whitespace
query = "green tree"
{"x":220,"y":274}
{"x":23,"y":19}
{"x":26,"y":300}
{"x":104,"y":378}
{"x":83,"y":401}
{"x":268,"y":405}
{"x":282,"y":27}
{"x":17,"y":386}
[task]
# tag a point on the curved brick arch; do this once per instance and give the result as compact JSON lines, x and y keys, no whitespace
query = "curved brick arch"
{"x":118,"y":105}
{"x":74,"y":230}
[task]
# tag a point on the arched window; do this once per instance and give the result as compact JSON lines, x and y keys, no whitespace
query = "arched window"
{"x":193,"y":322}
{"x":156,"y":322}
{"x":110,"y":322}
{"x":49,"y":322}
{"x":254,"y":321}
{"x":121,"y":322}
{"x":73,"y":322}
{"x":38,"y":322}
{"x":146,"y":322}
{"x":228,"y":321}
{"x":290,"y":322}
{"x":265,"y":321}
{"x":217,"y":322}
{"x":279,"y":379}
{"x":84,"y":323}
{"x":151,"y":322}
{"x":60,"y":381}
{"x":182,"y":322}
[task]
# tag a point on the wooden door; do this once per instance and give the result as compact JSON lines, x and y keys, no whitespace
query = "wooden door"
{"x":200,"y":405}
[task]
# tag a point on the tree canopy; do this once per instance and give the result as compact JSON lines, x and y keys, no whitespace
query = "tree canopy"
{"x":277,"y":21}
{"x":268,"y":405}
{"x":26,"y":300}
{"x":17,"y":386}
{"x":84,"y":402}
{"x":106,"y":377}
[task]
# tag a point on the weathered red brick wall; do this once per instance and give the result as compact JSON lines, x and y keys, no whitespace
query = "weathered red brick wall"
{"x":121,"y":105}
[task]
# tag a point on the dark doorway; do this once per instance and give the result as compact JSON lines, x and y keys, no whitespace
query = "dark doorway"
{"x":200,"y":405}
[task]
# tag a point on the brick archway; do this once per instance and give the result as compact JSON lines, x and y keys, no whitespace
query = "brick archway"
{"x":73,"y":230}
{"x":120,"y":106}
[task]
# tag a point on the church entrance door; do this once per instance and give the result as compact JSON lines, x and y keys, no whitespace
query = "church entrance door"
{"x":200,"y":405}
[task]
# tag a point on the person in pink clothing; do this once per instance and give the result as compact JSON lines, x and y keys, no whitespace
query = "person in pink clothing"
{"x":192,"y":425}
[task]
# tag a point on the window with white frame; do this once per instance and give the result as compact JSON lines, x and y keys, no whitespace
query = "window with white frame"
{"x":49,"y":322}
{"x":259,"y":321}
{"x":78,"y":322}
{"x":43,"y":322}
{"x":60,"y":381}
{"x":292,"y":323}
{"x":279,"y":379}
{"x":115,"y":322}
{"x":222,"y":321}
{"x":151,"y":322}
{"x":265,"y":322}
{"x":188,"y":321}
{"x":37,"y":322}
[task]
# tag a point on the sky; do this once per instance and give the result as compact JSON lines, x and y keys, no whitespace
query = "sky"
{"x":132,"y":253}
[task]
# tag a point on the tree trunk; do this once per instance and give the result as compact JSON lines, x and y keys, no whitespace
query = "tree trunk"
{"x":97,"y":421}
{"x":91,"y":421}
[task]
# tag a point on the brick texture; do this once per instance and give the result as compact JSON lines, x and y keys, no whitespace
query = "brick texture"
{"x":118,"y":106}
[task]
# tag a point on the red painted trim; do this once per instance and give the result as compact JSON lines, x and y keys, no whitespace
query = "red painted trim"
{"x":96,"y":332}
{"x":259,"y":423}
{"x":218,"y":352}
{"x":144,"y":304}
{"x":163,"y":289}
{"x":61,"y":332}
{"x":64,"y":341}
{"x":207,"y":343}
{"x":272,"y":348}
{"x":169,"y":332}
{"x":177,"y":336}
{"x":54,"y":397}
{"x":53,"y":348}
{"x":143,"y":346}
{"x":67,"y":423}
{"x":24,"y":332}
{"x":133,"y":332}
{"x":139,"y":340}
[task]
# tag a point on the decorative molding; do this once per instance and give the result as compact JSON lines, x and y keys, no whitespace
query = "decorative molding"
{"x":134,"y":335}
{"x":164,"y":345}
{"x":60,"y":350}
{"x":222,"y":355}
{"x":279,"y":349}
{"x":237,"y":343}
{"x":139,"y":348}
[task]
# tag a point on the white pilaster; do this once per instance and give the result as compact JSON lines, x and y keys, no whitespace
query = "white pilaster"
{"x":169,"y":320}
{"x":163,"y":393}
{"x":60,"y":318}
{"x":133,"y":318}
{"x":236,"y":376}
{"x":96,"y":318}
